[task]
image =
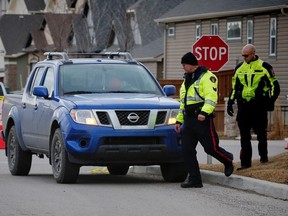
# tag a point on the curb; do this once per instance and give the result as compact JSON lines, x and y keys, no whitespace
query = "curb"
{"x":270,"y":189}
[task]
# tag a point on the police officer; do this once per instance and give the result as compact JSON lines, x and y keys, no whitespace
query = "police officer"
{"x":256,"y":89}
{"x":198,"y":98}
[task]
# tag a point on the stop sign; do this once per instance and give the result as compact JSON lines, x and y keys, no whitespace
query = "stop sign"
{"x":211,"y":52}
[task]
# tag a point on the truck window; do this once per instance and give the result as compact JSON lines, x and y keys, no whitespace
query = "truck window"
{"x":36,"y":79}
{"x":49,"y":80}
{"x":97,"y":78}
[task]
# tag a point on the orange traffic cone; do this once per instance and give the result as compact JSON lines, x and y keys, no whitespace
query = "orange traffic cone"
{"x":2,"y":143}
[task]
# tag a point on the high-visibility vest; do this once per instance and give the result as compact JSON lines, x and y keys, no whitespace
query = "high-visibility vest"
{"x":203,"y":90}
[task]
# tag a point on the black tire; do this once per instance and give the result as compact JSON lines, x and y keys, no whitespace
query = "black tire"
{"x":63,"y":170}
{"x":174,"y":172}
{"x":118,"y":169}
{"x":19,"y":161}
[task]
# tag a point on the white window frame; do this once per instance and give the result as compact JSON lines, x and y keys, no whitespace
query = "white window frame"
{"x":234,"y":24}
{"x":171,"y":31}
{"x":250,"y":31}
{"x":197,"y":31}
{"x":273,"y":36}
{"x":214,"y":28}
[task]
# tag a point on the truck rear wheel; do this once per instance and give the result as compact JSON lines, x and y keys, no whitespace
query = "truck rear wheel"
{"x":19,"y":161}
{"x":63,"y":170}
{"x":118,"y":169}
{"x":173,"y":172}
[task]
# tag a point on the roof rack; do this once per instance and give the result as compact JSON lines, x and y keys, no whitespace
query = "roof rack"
{"x":109,"y":55}
{"x":125,"y":55}
{"x":50,"y":55}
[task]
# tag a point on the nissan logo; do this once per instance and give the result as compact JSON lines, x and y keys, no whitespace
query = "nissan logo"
{"x":133,"y":117}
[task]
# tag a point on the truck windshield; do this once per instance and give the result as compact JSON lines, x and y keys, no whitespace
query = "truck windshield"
{"x":106,"y":78}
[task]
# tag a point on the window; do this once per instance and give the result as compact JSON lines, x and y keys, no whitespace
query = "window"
{"x":273,"y":31}
{"x":250,"y":31}
{"x":214,"y":28}
{"x":198,"y":31}
{"x":171,"y":31}
{"x":36,"y":79}
{"x":49,"y":81}
{"x":233,"y":30}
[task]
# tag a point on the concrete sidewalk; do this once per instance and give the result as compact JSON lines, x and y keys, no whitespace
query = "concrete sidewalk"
{"x":270,"y":189}
{"x":275,"y":190}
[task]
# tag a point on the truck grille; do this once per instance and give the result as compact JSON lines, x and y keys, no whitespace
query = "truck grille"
{"x":132,"y":117}
{"x":103,"y":118}
{"x":161,"y":116}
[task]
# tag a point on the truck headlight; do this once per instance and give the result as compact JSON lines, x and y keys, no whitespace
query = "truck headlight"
{"x":83,"y":117}
{"x":172,"y":117}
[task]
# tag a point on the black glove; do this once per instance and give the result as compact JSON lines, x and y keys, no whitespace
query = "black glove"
{"x":230,"y":110}
{"x":270,"y":104}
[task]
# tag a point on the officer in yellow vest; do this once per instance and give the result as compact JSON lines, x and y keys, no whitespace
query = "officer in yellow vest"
{"x":198,"y":98}
{"x":256,"y":89}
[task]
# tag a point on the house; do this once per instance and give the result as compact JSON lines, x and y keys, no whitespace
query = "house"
{"x":262,"y":23}
{"x":15,"y":35}
{"x":142,"y":37}
{"x":25,"y":35}
{"x":80,"y":26}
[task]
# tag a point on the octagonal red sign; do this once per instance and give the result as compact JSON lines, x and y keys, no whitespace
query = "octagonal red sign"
{"x":211,"y":51}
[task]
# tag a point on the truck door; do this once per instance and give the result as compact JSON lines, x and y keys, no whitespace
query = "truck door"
{"x":43,"y":114}
{"x":29,"y":106}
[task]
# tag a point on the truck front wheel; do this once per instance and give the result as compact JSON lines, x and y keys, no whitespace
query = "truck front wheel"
{"x":173,"y":172}
{"x":19,"y":161}
{"x":63,"y":170}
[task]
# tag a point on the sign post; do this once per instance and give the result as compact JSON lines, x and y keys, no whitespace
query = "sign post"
{"x":211,"y":51}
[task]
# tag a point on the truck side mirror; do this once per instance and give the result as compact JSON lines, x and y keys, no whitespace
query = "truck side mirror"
{"x":169,"y":90}
{"x":41,"y":91}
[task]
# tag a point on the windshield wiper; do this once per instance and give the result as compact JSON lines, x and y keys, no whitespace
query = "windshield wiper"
{"x":121,"y":91}
{"x":79,"y":92}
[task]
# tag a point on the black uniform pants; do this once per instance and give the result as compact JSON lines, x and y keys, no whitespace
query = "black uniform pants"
{"x":204,"y":132}
{"x":251,"y":115}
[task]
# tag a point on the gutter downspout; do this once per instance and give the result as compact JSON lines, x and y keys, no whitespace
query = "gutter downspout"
{"x":164,"y":52}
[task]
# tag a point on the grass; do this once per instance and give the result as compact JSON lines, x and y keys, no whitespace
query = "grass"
{"x":276,"y":170}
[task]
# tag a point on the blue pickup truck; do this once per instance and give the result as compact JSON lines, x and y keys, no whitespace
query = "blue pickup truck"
{"x":102,"y":110}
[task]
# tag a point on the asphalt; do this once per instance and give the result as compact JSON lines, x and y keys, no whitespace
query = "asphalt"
{"x":270,"y":189}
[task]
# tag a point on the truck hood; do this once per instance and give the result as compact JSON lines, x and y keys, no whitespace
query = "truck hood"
{"x":121,"y":101}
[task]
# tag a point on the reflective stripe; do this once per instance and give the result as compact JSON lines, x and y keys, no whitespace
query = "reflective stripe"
{"x":210,"y":102}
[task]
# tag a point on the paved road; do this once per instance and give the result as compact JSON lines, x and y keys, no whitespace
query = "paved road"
{"x":269,"y":189}
{"x":135,"y":194}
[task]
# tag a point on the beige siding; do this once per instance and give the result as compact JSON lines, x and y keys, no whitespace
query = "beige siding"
{"x":176,"y":47}
{"x":152,"y":66}
{"x":185,"y":38}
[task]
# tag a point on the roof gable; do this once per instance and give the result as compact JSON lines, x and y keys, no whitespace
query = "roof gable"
{"x":33,"y":5}
{"x":148,"y":10}
{"x":60,"y":26}
{"x":15,"y":31}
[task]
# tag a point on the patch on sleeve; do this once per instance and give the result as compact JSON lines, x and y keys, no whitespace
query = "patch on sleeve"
{"x":213,"y":79}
